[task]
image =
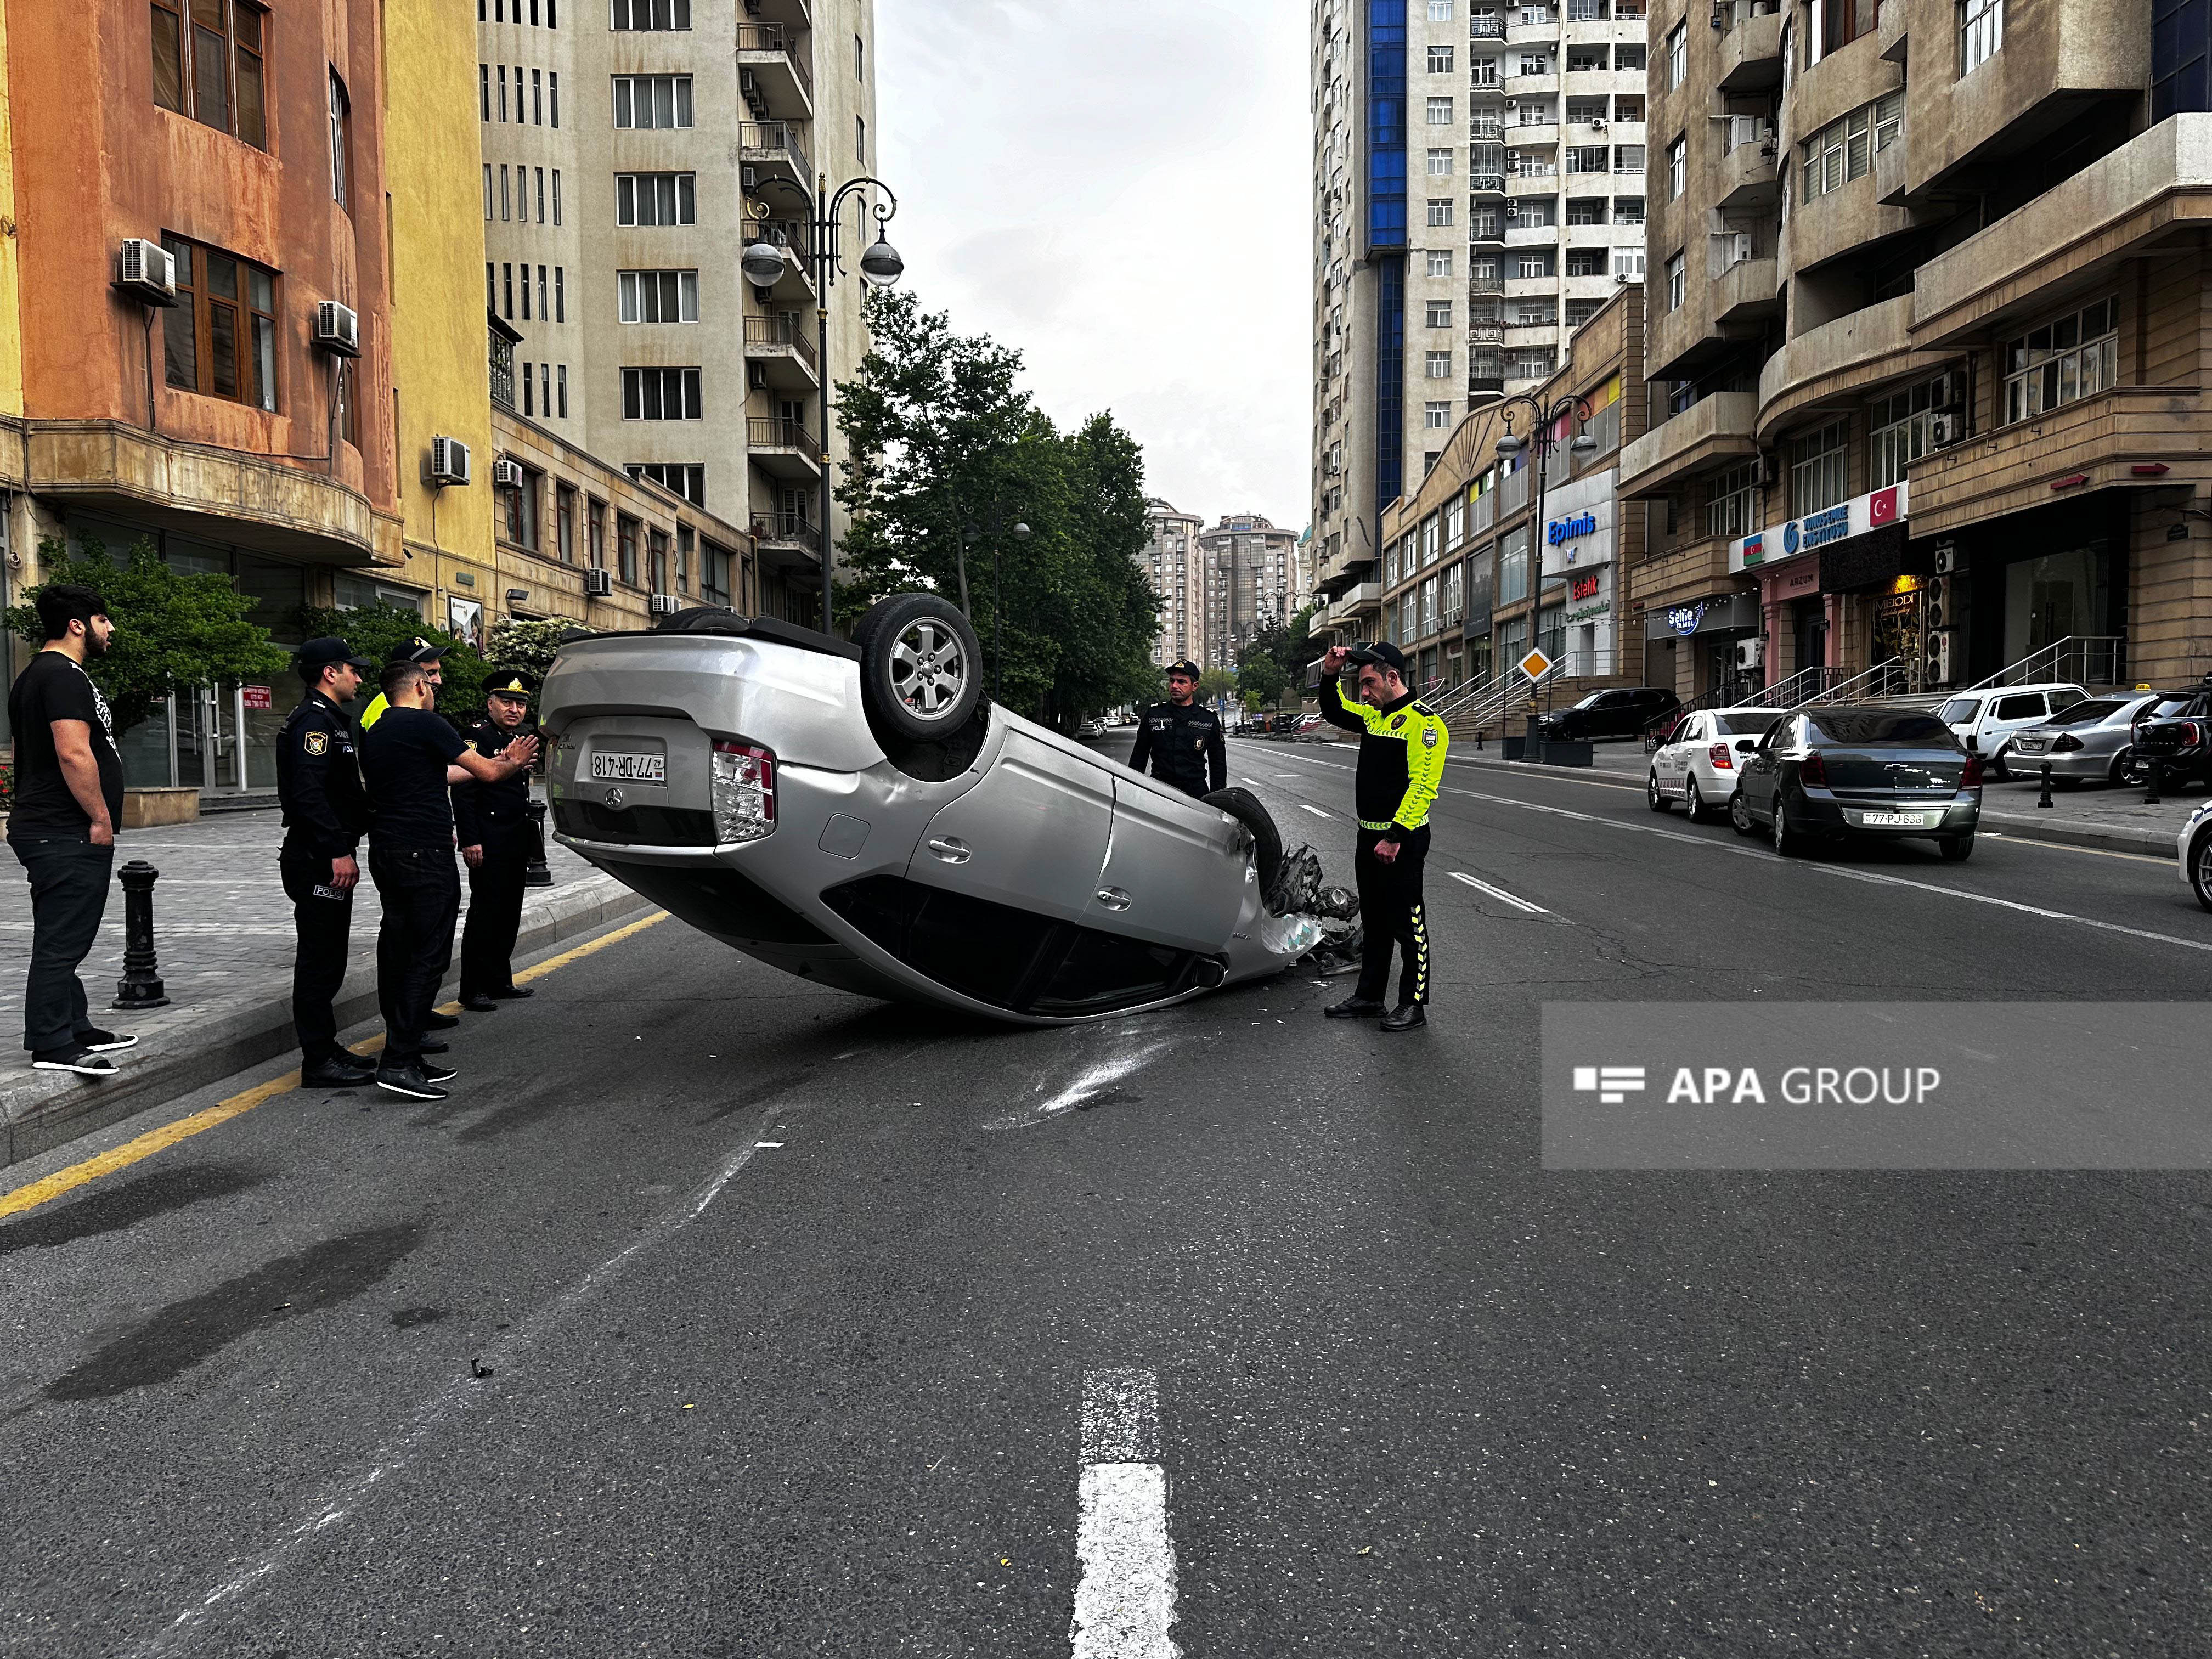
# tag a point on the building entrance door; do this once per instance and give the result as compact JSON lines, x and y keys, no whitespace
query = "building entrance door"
{"x":1897,"y":636}
{"x":209,"y":731}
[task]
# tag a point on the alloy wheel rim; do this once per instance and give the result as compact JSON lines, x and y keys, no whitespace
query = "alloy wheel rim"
{"x":928,"y":669}
{"x":1690,"y":797}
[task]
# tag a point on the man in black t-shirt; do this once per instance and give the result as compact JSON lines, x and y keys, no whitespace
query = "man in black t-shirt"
{"x":69,"y":798}
{"x":404,"y":761}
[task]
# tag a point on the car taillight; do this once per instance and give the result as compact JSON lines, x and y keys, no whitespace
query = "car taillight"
{"x":2065,"y":743}
{"x":1722,"y":760}
{"x":744,"y":791}
{"x":1812,"y":769}
{"x":1971,"y":778}
{"x":2191,"y":734}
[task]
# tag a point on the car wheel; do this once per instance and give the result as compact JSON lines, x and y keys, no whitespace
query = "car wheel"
{"x":1786,"y":841}
{"x":920,"y":669}
{"x":1267,"y":841}
{"x":1740,"y":818}
{"x":2116,"y":773}
{"x":1659,"y":803}
{"x":1693,"y":802}
{"x":1956,"y":849}
{"x":2200,"y":867}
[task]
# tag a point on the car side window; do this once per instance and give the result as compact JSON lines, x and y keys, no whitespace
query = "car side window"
{"x":2028,"y":706}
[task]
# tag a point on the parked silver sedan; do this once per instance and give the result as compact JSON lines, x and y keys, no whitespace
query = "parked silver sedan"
{"x":2088,"y":742}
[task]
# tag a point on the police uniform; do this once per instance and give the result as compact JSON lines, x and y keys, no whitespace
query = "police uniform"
{"x":496,"y":818}
{"x":415,"y":650}
{"x":325,"y":814}
{"x":1181,"y":744}
{"x":1402,"y":746}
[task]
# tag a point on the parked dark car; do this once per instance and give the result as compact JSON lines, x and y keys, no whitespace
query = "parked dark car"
{"x":1860,"y":769}
{"x":1624,"y":711}
{"x":2178,"y":742}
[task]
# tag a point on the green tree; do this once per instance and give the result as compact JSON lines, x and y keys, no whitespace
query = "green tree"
{"x":1215,"y":683}
{"x":1260,"y":678}
{"x":373,"y":630}
{"x":530,"y":646}
{"x":940,"y":437}
{"x":172,"y":629}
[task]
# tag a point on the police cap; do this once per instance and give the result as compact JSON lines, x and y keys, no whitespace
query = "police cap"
{"x":1184,"y":665}
{"x":1381,"y":654}
{"x":316,"y":655}
{"x":415,"y":650}
{"x":510,"y":683}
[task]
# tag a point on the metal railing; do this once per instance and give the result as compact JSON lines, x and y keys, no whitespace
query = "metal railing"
{"x":2083,"y":659}
{"x":784,"y":526}
{"x":1892,"y":678}
{"x":773,"y":37}
{"x":781,"y":331}
{"x":768,"y":141}
{"x":772,"y":433}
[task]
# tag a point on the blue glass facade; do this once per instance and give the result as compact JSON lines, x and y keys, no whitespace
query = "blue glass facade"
{"x":1389,"y":379}
{"x":1386,"y":124}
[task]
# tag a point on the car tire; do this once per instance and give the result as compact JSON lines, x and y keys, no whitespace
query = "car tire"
{"x":2116,"y":773}
{"x":921,"y":668}
{"x":1652,"y":797}
{"x":1787,"y":842}
{"x":1693,"y":802}
{"x":1740,"y":818}
{"x":1956,"y":849}
{"x":2200,"y":867}
{"x":1267,"y":841}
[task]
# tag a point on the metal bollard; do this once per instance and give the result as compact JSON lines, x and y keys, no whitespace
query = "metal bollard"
{"x":1478,"y":740}
{"x":2150,"y":783}
{"x":141,"y":985}
{"x":536,"y":872}
{"x":1531,"y":744}
{"x":2044,"y":799}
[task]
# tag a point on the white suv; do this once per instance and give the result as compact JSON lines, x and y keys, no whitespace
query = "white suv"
{"x":1986,"y":720}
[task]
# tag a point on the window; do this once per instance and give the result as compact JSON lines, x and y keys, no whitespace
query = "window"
{"x":1439,"y":313}
{"x":1440,"y":60}
{"x":595,"y":532}
{"x":1439,"y":365}
{"x":537,"y":98}
{"x":860,"y":58}
{"x":1581,"y":311}
{"x":1590,"y":158}
{"x":2180,"y":47}
{"x":1628,"y":158}
{"x":507,"y":282}
{"x":1455,"y":522}
{"x":657,"y":558}
{"x":1440,"y":164}
{"x":654,"y":199}
{"x":341,"y":137}
{"x":1532,"y":263}
{"x":2074,"y":357}
{"x":1981,"y":32}
{"x":1678,"y":56}
{"x":483,"y":90}
{"x":659,"y":296}
{"x":1513,"y":566}
{"x":1820,"y":469}
{"x":561,"y":383}
{"x":1440,"y":11}
{"x":1440,"y":112}
{"x":544,"y":315}
{"x":553,"y":97}
{"x":502,"y":91}
{"x":1440,"y":261}
{"x":683,"y":545}
{"x":679,"y":478}
{"x":1888,"y":119}
{"x":626,"y":548}
{"x":1586,"y":11}
{"x":1628,"y":209}
{"x":219,"y":339}
{"x":1586,"y":262}
{"x":504,"y":200}
{"x":1678,"y":168}
{"x":714,"y":574}
{"x":1440,"y":213}
{"x":860,"y":139}
{"x":658,"y":15}
{"x":661,"y":394}
{"x":541,"y":195}
{"x":1677,"y":282}
{"x":1898,"y":432}
{"x":1586,"y":210}
{"x":1731,"y":501}
{"x":1531,"y":363}
{"x":207,"y":65}
{"x":1628,"y":55}
{"x":525,"y":291}
{"x":560,"y":293}
{"x":529,"y":380}
{"x":1842,"y":22}
{"x":1435,"y":416}
{"x":652,"y":101}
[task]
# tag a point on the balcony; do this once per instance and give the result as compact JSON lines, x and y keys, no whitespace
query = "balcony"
{"x":1486,"y":331}
{"x":1532,"y":35}
{"x":1486,"y":28}
{"x":787,"y":538}
{"x":1543,"y":286}
{"x":1486,"y":184}
{"x":772,"y":67}
{"x":1522,"y":236}
{"x":784,"y":449}
{"x":1840,"y":361}
{"x":1480,"y":284}
{"x":1534,"y":135}
{"x":1717,"y":429}
{"x":1545,"y":183}
{"x":1751,"y":52}
{"x":1532,"y":86}
{"x":786,"y":353}
{"x":776,"y":146}
{"x":796,"y":286}
{"x":1746,"y":292}
{"x":1749,"y":177}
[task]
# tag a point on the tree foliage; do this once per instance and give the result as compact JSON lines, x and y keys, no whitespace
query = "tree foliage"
{"x":172,"y":629}
{"x":948,"y":455}
{"x":530,"y":646}
{"x":1274,"y":662}
{"x":373,"y":630}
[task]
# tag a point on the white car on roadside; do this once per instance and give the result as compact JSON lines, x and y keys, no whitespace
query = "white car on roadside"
{"x":1697,"y":764}
{"x":1987,"y":720}
{"x":2193,"y":852}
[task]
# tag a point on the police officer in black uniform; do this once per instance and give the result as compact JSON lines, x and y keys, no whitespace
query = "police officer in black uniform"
{"x":325,"y":814}
{"x":492,"y":823}
{"x":1179,"y":741}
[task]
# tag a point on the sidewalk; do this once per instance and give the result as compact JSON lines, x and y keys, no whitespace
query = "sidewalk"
{"x":222,"y":929}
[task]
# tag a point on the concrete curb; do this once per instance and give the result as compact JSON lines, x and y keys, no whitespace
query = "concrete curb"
{"x":41,"y":1110}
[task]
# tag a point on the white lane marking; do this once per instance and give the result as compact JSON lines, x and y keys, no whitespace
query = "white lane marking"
{"x":1282,"y":774}
{"x":769,"y":1145}
{"x":1513,"y":899}
{"x":1125,"y":1589}
{"x":1315,"y":811}
{"x":1074,"y":1094}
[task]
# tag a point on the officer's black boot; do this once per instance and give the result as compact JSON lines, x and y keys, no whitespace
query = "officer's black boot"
{"x":1406,"y":1016}
{"x":342,"y":1070}
{"x":1356,"y":1006}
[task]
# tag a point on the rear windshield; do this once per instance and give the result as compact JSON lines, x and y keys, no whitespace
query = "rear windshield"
{"x":1891,"y":728}
{"x":2091,"y":713}
{"x":1960,"y":710}
{"x":1745,"y":722}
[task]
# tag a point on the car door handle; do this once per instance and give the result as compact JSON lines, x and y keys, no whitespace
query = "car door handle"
{"x":951,"y":849}
{"x":1113,"y":898}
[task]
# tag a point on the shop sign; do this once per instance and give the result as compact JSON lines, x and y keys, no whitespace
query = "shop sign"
{"x":1565,"y":529}
{"x":1585,"y":586}
{"x":1684,"y":618}
{"x":1856,"y":517}
{"x":256,"y":696}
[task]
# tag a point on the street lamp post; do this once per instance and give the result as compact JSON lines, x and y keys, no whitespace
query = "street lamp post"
{"x":763,"y":263}
{"x":1544,"y":434}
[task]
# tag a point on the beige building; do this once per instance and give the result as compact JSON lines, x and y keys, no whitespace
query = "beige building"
{"x":1928,"y":340}
{"x":1171,"y":563}
{"x":1250,"y":569}
{"x":631,"y":149}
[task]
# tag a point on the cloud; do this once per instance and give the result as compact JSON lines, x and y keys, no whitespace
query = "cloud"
{"x":1120,"y":192}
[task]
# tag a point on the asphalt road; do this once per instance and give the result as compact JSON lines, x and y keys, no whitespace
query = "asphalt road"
{"x":718,"y":1313}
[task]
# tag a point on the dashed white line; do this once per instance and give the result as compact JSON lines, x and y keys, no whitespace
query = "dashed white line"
{"x":1125,"y":1590}
{"x":770,"y":1145}
{"x":1499,"y":893}
{"x":1315,"y":811}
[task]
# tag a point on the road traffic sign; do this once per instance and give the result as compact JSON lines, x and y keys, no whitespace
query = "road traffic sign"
{"x":1535,"y":665}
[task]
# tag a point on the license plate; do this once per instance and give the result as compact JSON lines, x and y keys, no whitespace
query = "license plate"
{"x":1899,"y":820}
{"x":620,"y":768}
{"x":2030,"y":746}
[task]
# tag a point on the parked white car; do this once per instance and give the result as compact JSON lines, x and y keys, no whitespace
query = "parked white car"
{"x":2193,"y":851}
{"x":1987,"y":720}
{"x":1697,"y":764}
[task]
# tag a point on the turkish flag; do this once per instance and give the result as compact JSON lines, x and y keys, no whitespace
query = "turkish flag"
{"x":1881,"y":508}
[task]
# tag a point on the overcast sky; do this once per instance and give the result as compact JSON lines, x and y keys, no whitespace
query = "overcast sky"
{"x":1120,"y":192}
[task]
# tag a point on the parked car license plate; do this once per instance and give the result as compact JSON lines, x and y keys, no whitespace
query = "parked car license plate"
{"x":1898,"y":820}
{"x":622,"y":767}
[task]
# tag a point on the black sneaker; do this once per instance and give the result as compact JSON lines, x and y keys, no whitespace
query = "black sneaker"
{"x":106,"y":1042}
{"x":435,"y":1021}
{"x":82,"y":1061}
{"x":432,"y":1046}
{"x":1406,"y":1016}
{"x":1356,"y":1008}
{"x":439,"y":1073}
{"x":479,"y":1002}
{"x":412,"y":1081}
{"x":515,"y":994}
{"x":338,"y":1072}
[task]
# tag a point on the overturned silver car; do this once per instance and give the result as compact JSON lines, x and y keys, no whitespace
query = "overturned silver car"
{"x":858,"y":814}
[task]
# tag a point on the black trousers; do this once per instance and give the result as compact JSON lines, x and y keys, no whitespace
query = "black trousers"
{"x":1390,"y":912}
{"x":322,"y":929}
{"x":421,"y":890}
{"x":494,"y":912}
{"x":68,"y":895}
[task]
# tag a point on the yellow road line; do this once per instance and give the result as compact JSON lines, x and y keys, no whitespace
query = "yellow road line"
{"x":154,"y":1140}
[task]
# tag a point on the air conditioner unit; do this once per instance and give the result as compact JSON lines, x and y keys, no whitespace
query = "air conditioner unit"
{"x":1947,"y":559}
{"x":1939,"y":658}
{"x":1936,"y":603}
{"x":506,"y":474}
{"x":338,"y":330}
{"x":598,"y":584}
{"x":147,"y":270}
{"x":748,"y":177}
{"x":1622,"y":278}
{"x":1949,"y":394}
{"x":449,"y":461}
{"x":1944,"y":430}
{"x":1750,"y":653}
{"x":757,"y":376}
{"x":662,"y":604}
{"x":1597,"y":127}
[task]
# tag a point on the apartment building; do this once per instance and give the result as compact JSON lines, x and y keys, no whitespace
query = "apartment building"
{"x":1927,"y":338}
{"x":1248,"y":569}
{"x":631,"y":151}
{"x":1172,"y":564}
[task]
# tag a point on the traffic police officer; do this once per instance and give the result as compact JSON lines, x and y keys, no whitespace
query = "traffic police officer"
{"x":492,"y":823}
{"x":325,"y":813}
{"x":1401,"y":762}
{"x":1181,"y":738}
